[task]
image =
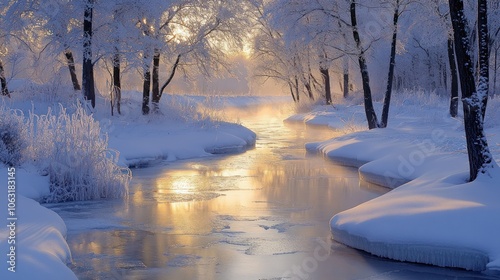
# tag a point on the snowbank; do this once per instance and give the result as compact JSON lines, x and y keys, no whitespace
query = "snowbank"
{"x":445,"y":223}
{"x":186,"y":127}
{"x":433,"y":215}
{"x":41,"y":248}
{"x":140,"y":143}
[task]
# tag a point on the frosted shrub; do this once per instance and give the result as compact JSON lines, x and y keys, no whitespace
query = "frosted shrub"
{"x":306,"y":105}
{"x":209,"y":112}
{"x":50,"y":91}
{"x":417,"y":98}
{"x":352,"y":125}
{"x":12,"y":137}
{"x":74,"y":154}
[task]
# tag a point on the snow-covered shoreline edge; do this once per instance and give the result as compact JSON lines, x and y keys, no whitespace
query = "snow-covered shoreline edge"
{"x":165,"y":146}
{"x":417,"y":253}
{"x":421,"y":171}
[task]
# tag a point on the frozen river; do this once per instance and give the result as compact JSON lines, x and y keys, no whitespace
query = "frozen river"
{"x":262,"y":214}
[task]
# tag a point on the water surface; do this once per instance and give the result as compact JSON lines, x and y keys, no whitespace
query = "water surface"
{"x":262,"y":214}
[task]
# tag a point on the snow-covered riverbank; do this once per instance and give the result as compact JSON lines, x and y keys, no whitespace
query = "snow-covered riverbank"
{"x":433,"y":216}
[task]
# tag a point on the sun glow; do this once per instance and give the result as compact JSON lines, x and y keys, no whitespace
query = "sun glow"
{"x":180,"y":34}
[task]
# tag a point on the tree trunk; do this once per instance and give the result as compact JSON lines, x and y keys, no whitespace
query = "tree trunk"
{"x":88,"y":66}
{"x":454,"y":79}
{"x":72,"y":70}
{"x":172,"y":74}
{"x":291,"y":91}
{"x":307,"y":85}
{"x":117,"y":88}
{"x":371,"y":116}
{"x":392,"y":64}
{"x":3,"y":82}
{"x":484,"y":54}
{"x":156,"y":83}
{"x":297,"y":88}
{"x":480,"y":158}
{"x":346,"y":76}
{"x":326,"y":80}
{"x":146,"y":86}
{"x":430,"y":69}
{"x":495,"y":72}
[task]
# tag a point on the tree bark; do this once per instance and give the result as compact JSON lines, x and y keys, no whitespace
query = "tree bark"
{"x":484,"y":54}
{"x":495,"y":72}
{"x":117,"y":88}
{"x":454,"y":79}
{"x":480,"y":158}
{"x":371,"y":116}
{"x":3,"y":82}
{"x":326,"y":80}
{"x":156,"y":83}
{"x":146,"y":86}
{"x":72,"y":70}
{"x":392,"y":64}
{"x":307,"y":85}
{"x":88,"y":66}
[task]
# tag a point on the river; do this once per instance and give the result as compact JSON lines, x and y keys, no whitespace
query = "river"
{"x":262,"y":214}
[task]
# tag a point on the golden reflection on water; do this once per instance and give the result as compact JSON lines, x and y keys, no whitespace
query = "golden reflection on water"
{"x":211,"y":218}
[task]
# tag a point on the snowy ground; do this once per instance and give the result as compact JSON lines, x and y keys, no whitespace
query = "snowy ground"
{"x":186,"y":127}
{"x":433,"y":216}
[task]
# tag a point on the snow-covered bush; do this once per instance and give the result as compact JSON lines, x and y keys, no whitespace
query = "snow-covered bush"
{"x":72,"y":151}
{"x":206,"y":112}
{"x":12,"y":136}
{"x":209,"y":112}
{"x":307,"y":105}
{"x":52,"y":91}
{"x":417,"y":98}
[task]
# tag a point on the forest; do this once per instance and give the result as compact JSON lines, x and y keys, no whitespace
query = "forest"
{"x":307,"y":46}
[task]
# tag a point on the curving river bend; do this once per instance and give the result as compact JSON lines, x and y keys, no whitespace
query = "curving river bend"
{"x":262,"y":214}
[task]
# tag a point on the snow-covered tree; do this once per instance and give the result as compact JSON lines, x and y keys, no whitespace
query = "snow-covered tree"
{"x":305,"y":43}
{"x":474,"y":98}
{"x":188,"y":34}
{"x":276,"y":59}
{"x":88,"y":64}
